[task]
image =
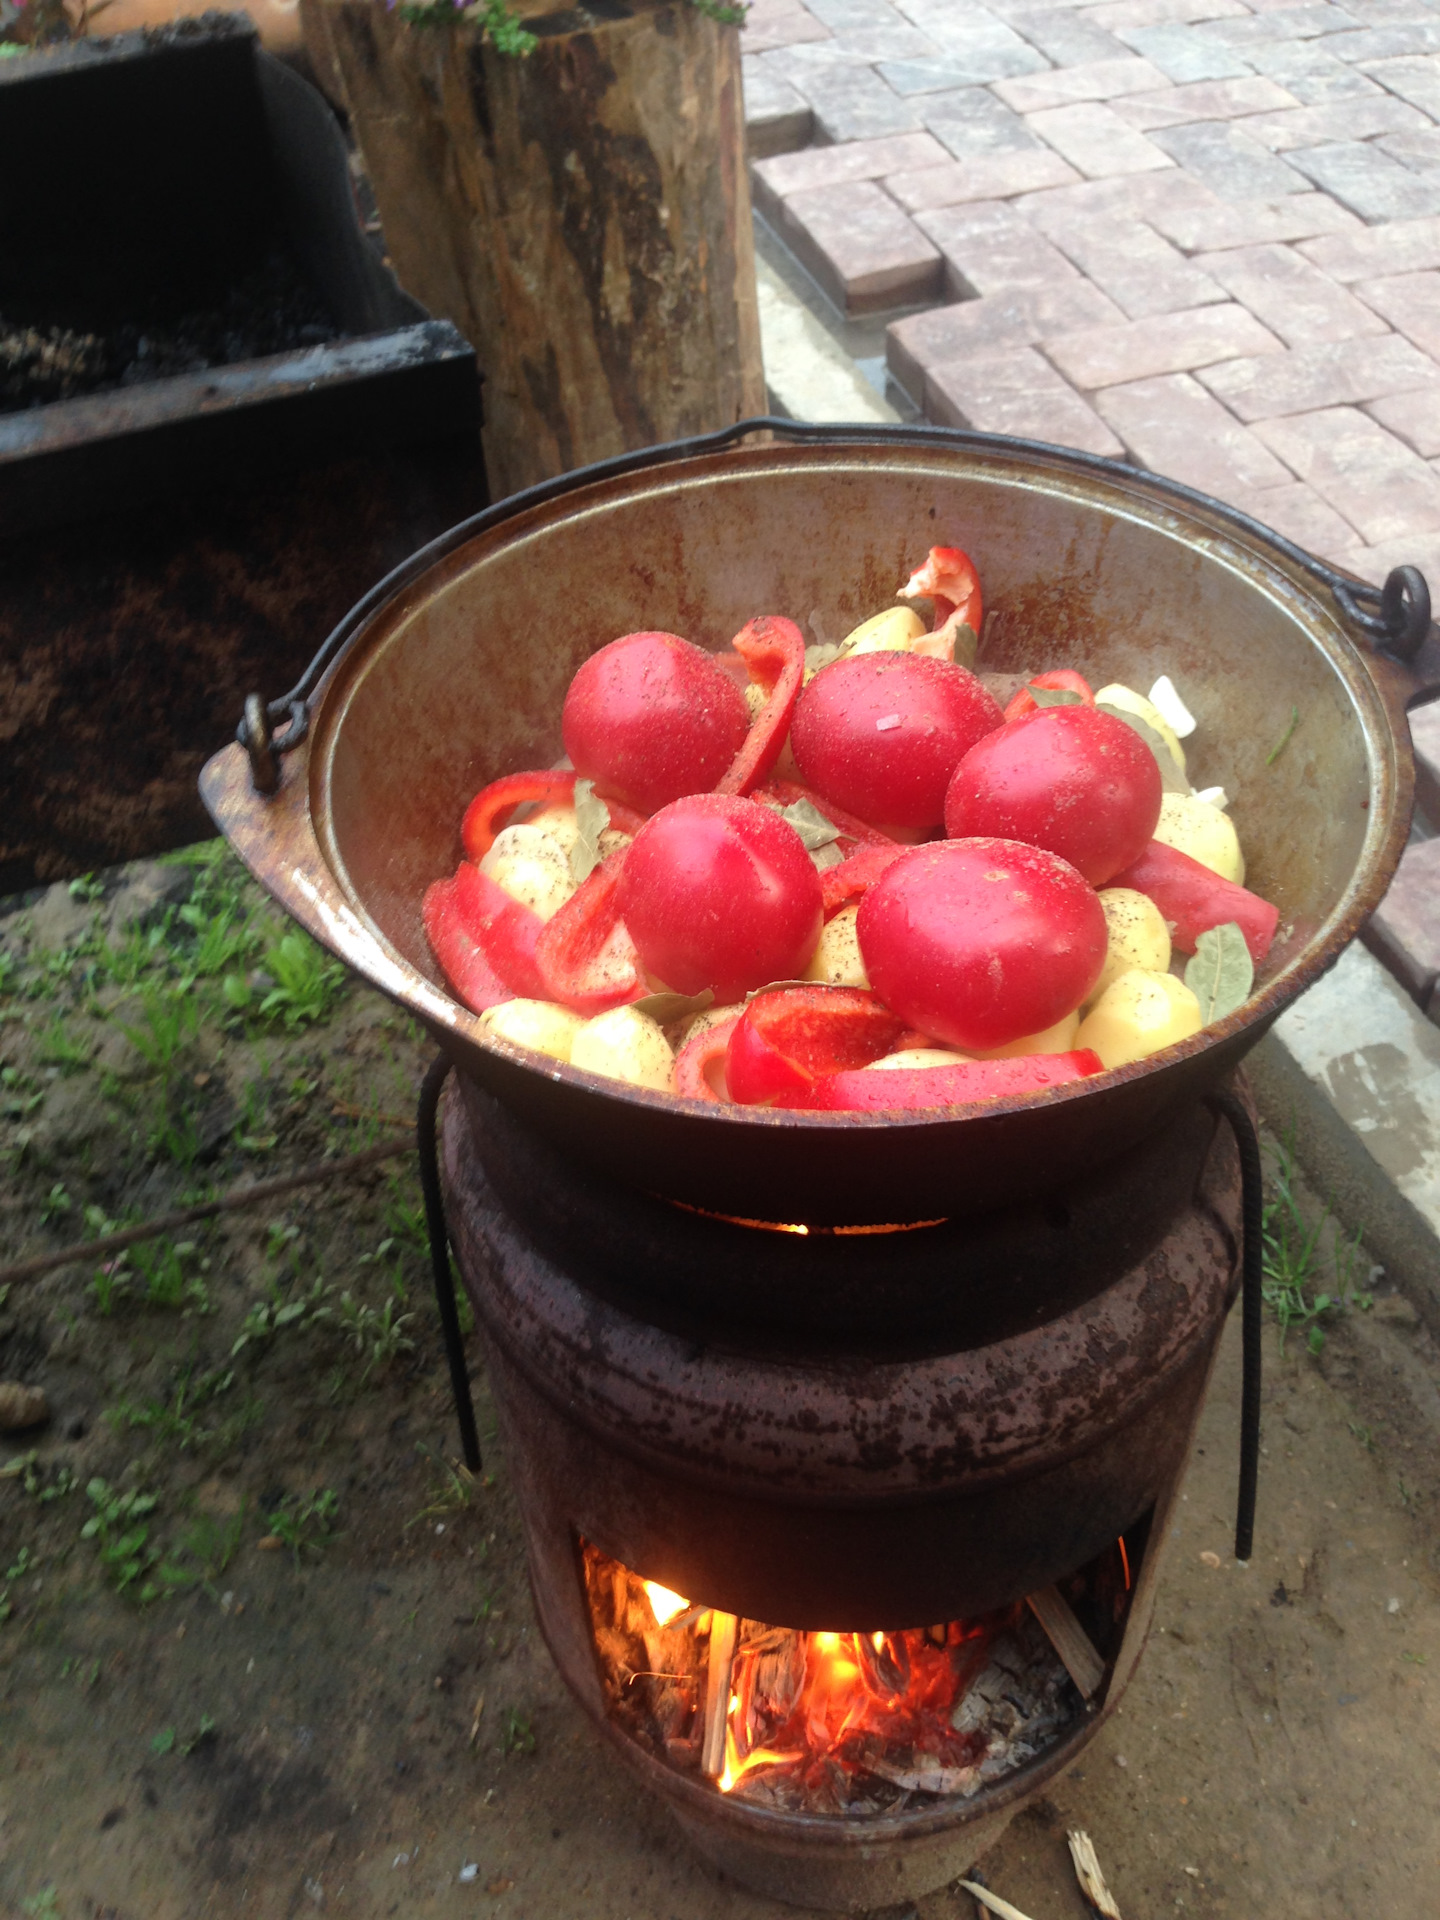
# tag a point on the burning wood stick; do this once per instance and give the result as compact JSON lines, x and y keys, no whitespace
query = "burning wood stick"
{"x":717,"y":1693}
{"x":1069,"y":1639}
{"x":1087,"y":1872}
{"x":993,"y":1901}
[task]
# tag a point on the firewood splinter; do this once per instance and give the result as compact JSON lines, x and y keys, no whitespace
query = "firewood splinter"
{"x":1087,"y":1872}
{"x":717,"y":1692}
{"x":1069,"y":1639}
{"x":992,"y":1900}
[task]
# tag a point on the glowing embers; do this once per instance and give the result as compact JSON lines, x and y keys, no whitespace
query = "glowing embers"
{"x":839,"y":1723}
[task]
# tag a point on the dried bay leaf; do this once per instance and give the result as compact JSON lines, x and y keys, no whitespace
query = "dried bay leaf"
{"x":1054,"y":696}
{"x":592,"y":817}
{"x":1171,"y":778}
{"x":666,"y":1008}
{"x":1220,"y":972}
{"x":811,"y":824}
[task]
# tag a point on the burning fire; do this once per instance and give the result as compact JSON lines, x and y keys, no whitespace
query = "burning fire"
{"x":664,"y":1604}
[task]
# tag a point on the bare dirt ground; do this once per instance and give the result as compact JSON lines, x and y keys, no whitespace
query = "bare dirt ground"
{"x":283,"y":1659}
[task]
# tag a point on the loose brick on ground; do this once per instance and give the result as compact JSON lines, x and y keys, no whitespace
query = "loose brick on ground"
{"x":777,"y":118}
{"x":1339,"y":373}
{"x":1290,"y":295}
{"x":1142,"y":273}
{"x":862,"y":249}
{"x":1221,"y":225}
{"x":1405,"y":931}
{"x":1186,"y":55}
{"x":988,"y":248}
{"x":1206,"y":100}
{"x":1404,"y":246}
{"x":1411,"y":303}
{"x":988,"y":177}
{"x":1368,"y":181}
{"x":1223,"y":155}
{"x":1016,"y":393}
{"x":1165,"y":343}
{"x":1298,"y":513}
{"x":1413,"y":418}
{"x":1019,"y":319}
{"x":1173,"y":426}
{"x":1359,"y":119}
{"x":1378,"y":484}
{"x":1093,"y":138}
{"x":1093,"y":80}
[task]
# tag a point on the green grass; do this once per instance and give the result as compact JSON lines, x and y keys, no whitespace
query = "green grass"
{"x":1297,"y":1250}
{"x":306,"y":1525}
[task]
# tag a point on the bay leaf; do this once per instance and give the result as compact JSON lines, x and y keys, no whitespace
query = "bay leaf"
{"x":1220,"y":972}
{"x":592,"y":817}
{"x":827,"y":856}
{"x":1171,"y":778}
{"x":665,"y":1008}
{"x":810,"y":823}
{"x":1054,"y":696}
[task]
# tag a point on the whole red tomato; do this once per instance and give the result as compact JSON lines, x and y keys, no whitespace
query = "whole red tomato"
{"x":1073,"y":780}
{"x":651,"y":717}
{"x":881,"y":734}
{"x":719,"y":892}
{"x":978,"y":942}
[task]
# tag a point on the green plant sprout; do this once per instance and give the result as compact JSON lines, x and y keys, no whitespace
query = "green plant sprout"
{"x":305,"y":1525}
{"x":56,"y":1046}
{"x":307,"y":984}
{"x":1292,"y":1252}
{"x":378,"y":1336}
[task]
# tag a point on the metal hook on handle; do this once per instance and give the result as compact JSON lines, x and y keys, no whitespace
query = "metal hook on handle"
{"x":1405,"y":609}
{"x":256,"y":734}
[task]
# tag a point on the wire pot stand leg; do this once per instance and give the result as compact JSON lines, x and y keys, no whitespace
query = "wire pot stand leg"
{"x":1252,"y":1205}
{"x":440,"y":1257}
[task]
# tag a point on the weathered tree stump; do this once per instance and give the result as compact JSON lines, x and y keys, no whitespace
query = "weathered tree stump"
{"x":582,"y":215}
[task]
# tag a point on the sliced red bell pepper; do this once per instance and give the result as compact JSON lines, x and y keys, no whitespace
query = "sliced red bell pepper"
{"x":586,"y":958}
{"x":948,"y":579}
{"x":787,"y":1040}
{"x":698,"y":1058}
{"x":786,"y":792}
{"x":461,"y":957}
{"x":773,"y":648}
{"x":964,"y":1084}
{"x":504,"y":929}
{"x":1193,"y":899}
{"x":1058,"y":680}
{"x":545,"y":787}
{"x":850,"y":879}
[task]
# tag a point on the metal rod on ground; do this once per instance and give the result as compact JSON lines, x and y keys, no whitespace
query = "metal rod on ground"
{"x":440,"y":1257}
{"x":717,"y":1693}
{"x":1069,"y":1639}
{"x":1252,"y":1209}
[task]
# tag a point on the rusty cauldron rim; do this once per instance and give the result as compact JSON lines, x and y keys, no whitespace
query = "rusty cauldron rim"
{"x":287,"y":837}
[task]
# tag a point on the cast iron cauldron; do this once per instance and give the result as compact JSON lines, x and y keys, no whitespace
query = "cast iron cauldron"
{"x":453,"y":671}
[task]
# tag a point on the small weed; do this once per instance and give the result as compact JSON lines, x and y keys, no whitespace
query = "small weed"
{"x":41,"y":1906}
{"x":1365,"y":1435}
{"x":56,"y":1046}
{"x":120,"y":1529}
{"x":307,"y":983}
{"x":176,"y":1418}
{"x":110,"y":1285}
{"x":86,"y":887}
{"x":57,"y":1203}
{"x":212,"y":1543}
{"x":451,"y":1486}
{"x":377,"y":1335}
{"x":163,"y":1268}
{"x":170,"y":1023}
{"x":1292,"y":1255}
{"x":519,"y":1735}
{"x":39,"y":1483}
{"x":272,"y":1315}
{"x":1415,"y":1659}
{"x":164,"y":1741}
{"x":20,"y":1093}
{"x":254,"y":1133}
{"x":306,"y":1525}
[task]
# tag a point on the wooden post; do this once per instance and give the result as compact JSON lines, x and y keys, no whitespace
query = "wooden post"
{"x":582,"y":214}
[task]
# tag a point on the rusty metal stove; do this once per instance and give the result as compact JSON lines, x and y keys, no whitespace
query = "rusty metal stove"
{"x":845,"y":1431}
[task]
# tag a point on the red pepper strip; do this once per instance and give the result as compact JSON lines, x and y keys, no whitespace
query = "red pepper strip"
{"x":850,"y":879}
{"x":773,"y":648}
{"x":787,"y":792}
{"x":484,"y":814}
{"x":1193,"y":899}
{"x":462,"y":960}
{"x":786,"y":1040}
{"x":504,"y":928}
{"x":1059,"y":680}
{"x":965,"y":1084}
{"x":586,"y":958}
{"x":948,"y":579}
{"x":699,"y":1056}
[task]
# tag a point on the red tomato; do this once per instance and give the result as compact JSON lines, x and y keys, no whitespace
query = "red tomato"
{"x":719,"y":892}
{"x":651,"y":717}
{"x":978,"y":942}
{"x":1073,"y":780}
{"x":785,"y":1041}
{"x":881,"y":734}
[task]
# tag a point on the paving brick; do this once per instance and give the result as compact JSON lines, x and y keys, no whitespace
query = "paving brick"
{"x":1308,"y":70}
{"x":910,"y":77}
{"x":1340,"y":373}
{"x":1369,"y":182}
{"x":1228,"y":161}
{"x":1413,"y":418}
{"x":988,"y":248}
{"x":854,"y":103}
{"x":1205,"y":100}
{"x":1377,"y":483}
{"x":1417,"y":148}
{"x":1387,"y":43}
{"x":1186,"y":53}
{"x":900,"y":43}
{"x":1093,"y":80}
{"x":1016,"y":393}
{"x":1358,"y":119}
{"x":1165,"y":343}
{"x":1173,"y":426}
{"x":1065,"y":37}
{"x":993,"y":176}
{"x":1414,"y":78}
{"x":1116,"y":15}
{"x":1405,"y":931}
{"x":1290,"y":295}
{"x":1250,"y":223}
{"x":978,"y":47}
{"x":1286,"y":23}
{"x":1093,"y":138}
{"x":1298,"y":513}
{"x":972,"y":121}
{"x":860,"y":247}
{"x":1132,"y":196}
{"x":1404,"y":246}
{"x":840,"y":15}
{"x":1019,"y":319}
{"x":779,"y":23}
{"x":1142,"y":273}
{"x":777,"y":119}
{"x":1411,"y":303}
{"x":1425,"y":739}
{"x":856,"y":160}
{"x":1420,"y":550}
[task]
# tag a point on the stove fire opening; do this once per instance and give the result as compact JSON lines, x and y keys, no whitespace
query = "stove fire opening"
{"x":855,"y":1723}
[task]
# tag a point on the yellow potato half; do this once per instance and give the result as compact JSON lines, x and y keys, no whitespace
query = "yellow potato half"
{"x":1129,"y":701}
{"x":1137,"y":1015}
{"x":532,"y":868}
{"x":893,"y":631}
{"x":625,"y":1045}
{"x":920,"y":1057}
{"x":1195,"y":827}
{"x":1138,"y":934}
{"x":836,"y":960}
{"x":534,"y":1023}
{"x":1057,"y":1039}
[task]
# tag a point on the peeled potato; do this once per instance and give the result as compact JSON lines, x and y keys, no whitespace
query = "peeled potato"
{"x":1057,"y":1039}
{"x":921,"y":1057}
{"x":836,"y":960}
{"x":1129,"y":701}
{"x":557,"y":823}
{"x":535,"y":1023}
{"x":892,"y":631}
{"x":1193,"y":826}
{"x":1137,"y":1015}
{"x":1139,"y":937}
{"x":625,"y":1045}
{"x":532,"y":868}
{"x":702,"y":1022}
